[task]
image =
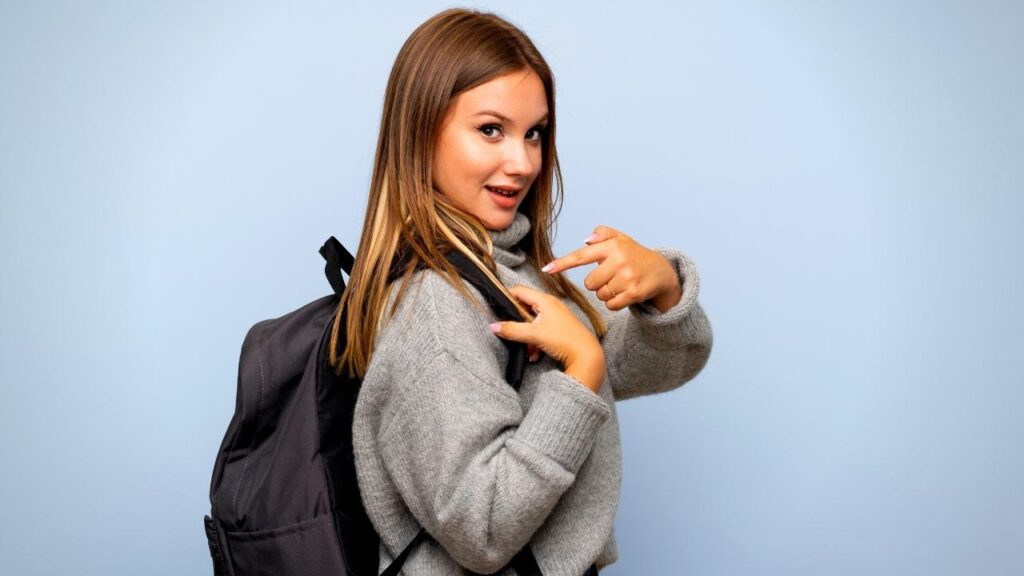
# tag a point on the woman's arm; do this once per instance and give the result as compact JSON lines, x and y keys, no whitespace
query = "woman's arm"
{"x":479,"y":473}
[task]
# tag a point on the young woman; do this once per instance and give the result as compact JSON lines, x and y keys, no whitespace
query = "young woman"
{"x":465,"y":161}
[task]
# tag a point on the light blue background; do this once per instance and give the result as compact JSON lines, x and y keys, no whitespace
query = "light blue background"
{"x":847,"y":178}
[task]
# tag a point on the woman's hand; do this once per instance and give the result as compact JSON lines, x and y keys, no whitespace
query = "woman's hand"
{"x":628,"y":272}
{"x":559,"y":334}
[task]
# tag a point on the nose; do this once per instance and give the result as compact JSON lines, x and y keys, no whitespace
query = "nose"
{"x":517,"y":158}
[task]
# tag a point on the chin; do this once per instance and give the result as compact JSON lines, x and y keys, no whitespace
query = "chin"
{"x":499,"y":222}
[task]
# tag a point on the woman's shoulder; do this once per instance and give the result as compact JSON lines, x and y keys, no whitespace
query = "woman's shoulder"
{"x":433,"y":317}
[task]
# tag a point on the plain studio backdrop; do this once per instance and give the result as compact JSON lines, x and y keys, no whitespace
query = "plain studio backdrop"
{"x":847,"y":178}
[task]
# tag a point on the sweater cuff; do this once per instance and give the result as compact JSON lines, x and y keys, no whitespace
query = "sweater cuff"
{"x":679,"y":324}
{"x":563,"y":419}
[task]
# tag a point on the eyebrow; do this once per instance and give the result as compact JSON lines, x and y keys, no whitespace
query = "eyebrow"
{"x":506,"y":118}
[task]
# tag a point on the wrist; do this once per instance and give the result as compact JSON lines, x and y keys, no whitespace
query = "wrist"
{"x":588,"y":368}
{"x":667,"y":299}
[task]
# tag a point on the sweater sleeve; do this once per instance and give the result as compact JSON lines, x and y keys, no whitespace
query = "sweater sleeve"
{"x":648,"y":351}
{"x":475,"y":469}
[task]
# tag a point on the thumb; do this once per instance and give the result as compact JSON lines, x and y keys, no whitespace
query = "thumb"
{"x":529,"y":296}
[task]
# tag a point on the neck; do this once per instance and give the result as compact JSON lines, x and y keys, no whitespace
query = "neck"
{"x":506,"y":250}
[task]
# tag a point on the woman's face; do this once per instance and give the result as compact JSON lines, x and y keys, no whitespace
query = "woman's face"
{"x":491,"y":138}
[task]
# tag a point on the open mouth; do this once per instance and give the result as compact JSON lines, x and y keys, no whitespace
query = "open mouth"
{"x":505,"y":193}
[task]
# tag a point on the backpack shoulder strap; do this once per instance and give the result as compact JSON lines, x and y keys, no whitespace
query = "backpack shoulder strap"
{"x":503,"y":309}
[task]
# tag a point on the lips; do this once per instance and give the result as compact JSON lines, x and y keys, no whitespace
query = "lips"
{"x":504,"y":199}
{"x":507,"y":192}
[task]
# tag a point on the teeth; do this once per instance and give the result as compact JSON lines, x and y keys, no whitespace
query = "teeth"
{"x":502,"y":192}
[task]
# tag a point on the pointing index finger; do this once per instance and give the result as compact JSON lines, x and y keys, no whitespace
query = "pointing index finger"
{"x":578,"y":257}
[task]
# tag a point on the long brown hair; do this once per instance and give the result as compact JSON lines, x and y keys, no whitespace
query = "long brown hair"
{"x":453,"y":51}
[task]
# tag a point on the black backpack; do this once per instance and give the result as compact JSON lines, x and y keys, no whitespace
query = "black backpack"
{"x":284,"y":498}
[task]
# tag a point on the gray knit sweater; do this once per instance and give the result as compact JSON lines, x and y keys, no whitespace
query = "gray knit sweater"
{"x":441,"y":440}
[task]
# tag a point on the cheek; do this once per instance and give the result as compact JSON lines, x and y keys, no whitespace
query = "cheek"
{"x":451,"y":161}
{"x":476,"y":159}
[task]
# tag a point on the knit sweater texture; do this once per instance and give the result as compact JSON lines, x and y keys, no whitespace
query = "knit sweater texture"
{"x":442,"y":441}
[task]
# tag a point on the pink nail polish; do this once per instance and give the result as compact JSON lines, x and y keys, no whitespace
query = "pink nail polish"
{"x":590,"y":238}
{"x":496,"y":327}
{"x":548,"y":267}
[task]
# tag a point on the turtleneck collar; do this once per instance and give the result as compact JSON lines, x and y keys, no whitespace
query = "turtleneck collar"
{"x":505,"y":250}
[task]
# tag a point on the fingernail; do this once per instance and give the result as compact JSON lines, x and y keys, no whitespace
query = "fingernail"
{"x":496,"y":327}
{"x":548,"y":267}
{"x":590,"y":238}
